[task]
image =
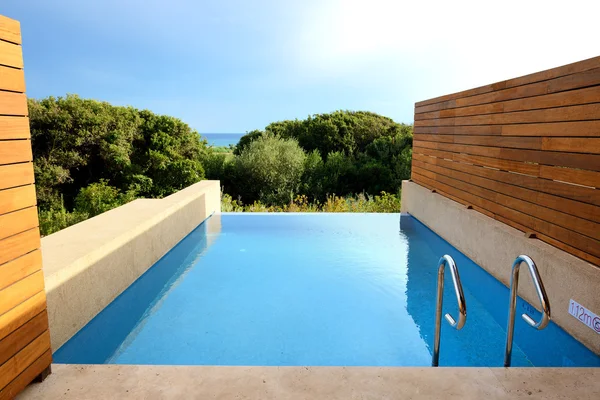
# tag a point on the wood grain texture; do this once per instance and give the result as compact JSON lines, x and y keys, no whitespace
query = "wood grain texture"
{"x":19,"y":268}
{"x":562,"y":99}
{"x":27,"y":376}
{"x":18,"y":221}
{"x":13,"y":175}
{"x":525,"y":152}
{"x":25,"y":334}
{"x":12,"y":79}
{"x":10,"y":30}
{"x":559,"y":159}
{"x":519,"y":199}
{"x":14,"y":127}
{"x":512,"y":217}
{"x":12,"y":103}
{"x":566,"y":83}
{"x":24,"y":358}
{"x":22,"y":313}
{"x":24,"y":338}
{"x":15,"y":151}
{"x":17,"y":198}
{"x":553,"y":73}
{"x":526,"y":187}
{"x":576,"y":176}
{"x":20,"y":291}
{"x":572,"y":113}
{"x":22,"y":243}
{"x":566,"y":129}
{"x":11,"y":55}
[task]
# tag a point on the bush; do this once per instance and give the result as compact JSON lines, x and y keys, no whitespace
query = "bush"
{"x":269,"y":169}
{"x":100,"y":197}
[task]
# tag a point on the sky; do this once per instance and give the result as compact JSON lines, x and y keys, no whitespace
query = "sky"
{"x":237,"y":65}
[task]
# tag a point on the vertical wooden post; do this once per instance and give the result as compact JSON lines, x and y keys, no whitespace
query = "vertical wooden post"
{"x":25,"y":353}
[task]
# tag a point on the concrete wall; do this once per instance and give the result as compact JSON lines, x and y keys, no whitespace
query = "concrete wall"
{"x":86,"y":266}
{"x":494,"y":246}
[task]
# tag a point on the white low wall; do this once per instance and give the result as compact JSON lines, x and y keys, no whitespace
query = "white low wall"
{"x":86,"y":266}
{"x":494,"y":246}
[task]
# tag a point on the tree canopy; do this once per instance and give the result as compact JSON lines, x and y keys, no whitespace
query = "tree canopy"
{"x":87,"y":151}
{"x":91,"y":156}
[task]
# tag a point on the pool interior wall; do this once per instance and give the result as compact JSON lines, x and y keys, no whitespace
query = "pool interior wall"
{"x":373,"y":305}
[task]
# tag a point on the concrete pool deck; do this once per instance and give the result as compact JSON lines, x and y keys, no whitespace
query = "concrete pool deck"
{"x":69,"y":381}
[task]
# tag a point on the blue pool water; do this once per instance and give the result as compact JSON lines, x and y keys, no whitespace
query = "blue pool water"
{"x":222,"y":139}
{"x":311,"y":289}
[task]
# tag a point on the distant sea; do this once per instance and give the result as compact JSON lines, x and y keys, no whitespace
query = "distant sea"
{"x":222,"y":139}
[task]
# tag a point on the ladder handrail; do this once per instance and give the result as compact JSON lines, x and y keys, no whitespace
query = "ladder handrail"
{"x":544,"y":303}
{"x":446,"y":260}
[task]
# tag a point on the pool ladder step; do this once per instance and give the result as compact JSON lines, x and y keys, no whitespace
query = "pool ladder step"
{"x":447,"y":261}
{"x":512,"y":303}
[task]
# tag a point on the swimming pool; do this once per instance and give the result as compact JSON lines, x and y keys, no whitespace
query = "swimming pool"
{"x":311,"y":289}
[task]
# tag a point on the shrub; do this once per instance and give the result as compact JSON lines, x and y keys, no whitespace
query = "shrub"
{"x":269,"y":169}
{"x":100,"y":197}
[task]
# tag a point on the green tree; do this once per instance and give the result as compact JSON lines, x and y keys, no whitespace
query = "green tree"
{"x":90,"y":151}
{"x":269,"y":169}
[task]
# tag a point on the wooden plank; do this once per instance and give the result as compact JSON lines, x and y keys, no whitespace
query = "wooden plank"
{"x":561,"y":114}
{"x":19,"y":244}
{"x":13,"y":104}
{"x":20,"y":291}
{"x":13,"y":175}
{"x":24,"y":335}
{"x":576,"y":176}
{"x":15,"y":151}
{"x":19,"y":268}
{"x":578,"y":193}
{"x":27,"y":356}
{"x":14,"y":128}
{"x":12,"y":79}
{"x":444,"y":190}
{"x":10,"y":29}
{"x":18,"y":221}
{"x":569,"y":69}
{"x":569,"y":249}
{"x":574,"y":128}
{"x":569,"y":82}
{"x":26,"y":377}
{"x":516,"y":142}
{"x":576,"y":145}
{"x":17,"y":198}
{"x":480,"y":197}
{"x":516,"y":188}
{"x":562,"y":99}
{"x":580,"y":161}
{"x":11,"y":55}
{"x":517,"y":198}
{"x":21,"y":314}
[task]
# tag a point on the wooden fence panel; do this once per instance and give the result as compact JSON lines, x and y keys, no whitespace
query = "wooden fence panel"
{"x":525,"y":151}
{"x":24,"y":337}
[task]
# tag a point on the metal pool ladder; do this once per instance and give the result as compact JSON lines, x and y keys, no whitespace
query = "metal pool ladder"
{"x":446,"y":260}
{"x":544,"y":303}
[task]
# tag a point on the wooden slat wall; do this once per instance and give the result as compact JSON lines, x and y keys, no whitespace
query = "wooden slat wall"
{"x":525,"y":151}
{"x":24,"y":338}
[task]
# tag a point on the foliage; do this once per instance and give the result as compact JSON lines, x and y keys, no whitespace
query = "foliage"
{"x":91,"y":156}
{"x":383,"y":203}
{"x":99,"y":197}
{"x":106,"y":155}
{"x":269,"y":169}
{"x":347,"y":153}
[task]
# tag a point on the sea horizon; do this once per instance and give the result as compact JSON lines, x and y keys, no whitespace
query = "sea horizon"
{"x":222,"y":139}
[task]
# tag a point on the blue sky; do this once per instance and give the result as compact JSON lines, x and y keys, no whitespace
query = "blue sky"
{"x":235,"y":65}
